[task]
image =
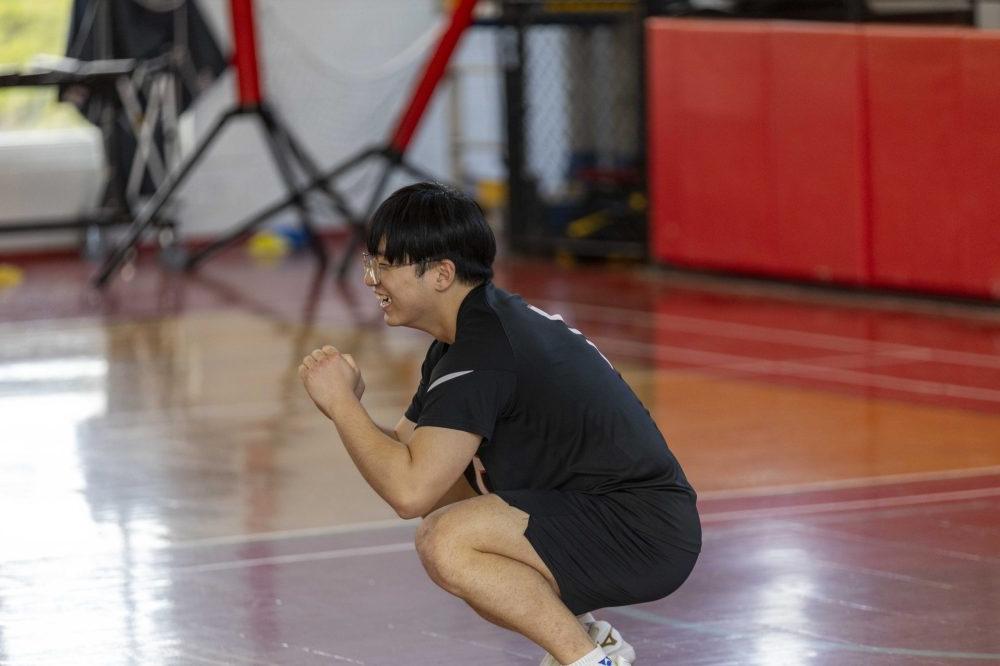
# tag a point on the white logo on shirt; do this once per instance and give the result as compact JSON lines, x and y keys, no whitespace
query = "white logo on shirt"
{"x":446,"y":378}
{"x":559,"y":318}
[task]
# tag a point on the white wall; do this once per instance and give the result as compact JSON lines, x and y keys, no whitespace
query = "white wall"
{"x":478,"y":118}
{"x":337,"y":72}
{"x":50,"y":174}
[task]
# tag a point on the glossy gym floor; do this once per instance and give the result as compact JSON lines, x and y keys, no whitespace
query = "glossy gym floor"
{"x":169,"y":495}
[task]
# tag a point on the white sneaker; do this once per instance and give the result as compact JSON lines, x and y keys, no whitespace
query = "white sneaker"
{"x":612,"y":642}
{"x":620,"y":661}
{"x":608,"y":638}
{"x":549,"y":660}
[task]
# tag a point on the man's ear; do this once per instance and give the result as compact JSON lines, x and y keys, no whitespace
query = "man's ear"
{"x":444,"y":274}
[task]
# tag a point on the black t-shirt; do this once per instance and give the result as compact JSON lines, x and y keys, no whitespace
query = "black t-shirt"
{"x":553,"y":413}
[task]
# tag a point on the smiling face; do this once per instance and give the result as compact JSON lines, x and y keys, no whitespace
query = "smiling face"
{"x":404,"y":291}
{"x":422,"y":240}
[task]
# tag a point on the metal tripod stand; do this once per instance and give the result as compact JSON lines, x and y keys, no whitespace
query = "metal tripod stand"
{"x":286,"y":151}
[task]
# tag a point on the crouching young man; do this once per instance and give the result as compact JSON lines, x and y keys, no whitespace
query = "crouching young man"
{"x":546,"y":488}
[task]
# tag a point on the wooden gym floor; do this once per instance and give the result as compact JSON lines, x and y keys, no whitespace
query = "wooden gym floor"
{"x":168,"y":494}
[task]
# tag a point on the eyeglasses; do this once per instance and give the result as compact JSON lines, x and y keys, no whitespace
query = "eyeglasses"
{"x":374,"y":267}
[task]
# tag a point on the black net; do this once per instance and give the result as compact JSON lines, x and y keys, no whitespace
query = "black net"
{"x":574,"y":122}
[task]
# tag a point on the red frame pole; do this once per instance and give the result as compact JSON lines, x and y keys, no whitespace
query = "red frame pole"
{"x":245,"y":53}
{"x":461,"y":19}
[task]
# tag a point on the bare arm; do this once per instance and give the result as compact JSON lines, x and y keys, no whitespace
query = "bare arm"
{"x":403,"y":432}
{"x":460,"y":490}
{"x":412,"y":476}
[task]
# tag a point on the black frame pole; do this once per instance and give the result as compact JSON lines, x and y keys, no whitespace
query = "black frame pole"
{"x":147,"y":215}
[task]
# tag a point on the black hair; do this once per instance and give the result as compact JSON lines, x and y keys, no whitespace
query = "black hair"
{"x":427,"y":222}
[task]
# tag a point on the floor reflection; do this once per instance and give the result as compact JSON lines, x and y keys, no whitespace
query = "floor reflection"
{"x":169,"y":495}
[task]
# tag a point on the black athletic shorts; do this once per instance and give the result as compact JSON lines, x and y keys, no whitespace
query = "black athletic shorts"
{"x":596,"y":557}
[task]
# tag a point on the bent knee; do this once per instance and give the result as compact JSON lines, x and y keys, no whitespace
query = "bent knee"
{"x":425,"y":536}
{"x":438,"y":533}
{"x":440,"y":550}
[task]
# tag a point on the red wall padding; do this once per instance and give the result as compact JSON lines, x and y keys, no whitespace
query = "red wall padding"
{"x":709,"y":157}
{"x":979,"y":129}
{"x":817,"y":139}
{"x":754,"y":148}
{"x":916,"y":157}
{"x":935,"y":159}
{"x":853,"y":154}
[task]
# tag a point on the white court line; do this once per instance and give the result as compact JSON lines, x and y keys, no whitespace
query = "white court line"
{"x":727,"y":633}
{"x":726,"y":329}
{"x":708,"y":517}
{"x":186,"y":654}
{"x":239,"y":539}
{"x":376,"y":525}
{"x":481,"y":646}
{"x":881,"y":573}
{"x":141,"y":418}
{"x":855,"y":482}
{"x":294,"y":559}
{"x":871,"y":379}
{"x":850,"y":361}
{"x":849,"y":505}
{"x":229,"y":540}
{"x":825,"y":530}
{"x":699,"y":359}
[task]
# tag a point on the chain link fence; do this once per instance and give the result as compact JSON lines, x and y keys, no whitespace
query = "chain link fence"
{"x":573,"y":74}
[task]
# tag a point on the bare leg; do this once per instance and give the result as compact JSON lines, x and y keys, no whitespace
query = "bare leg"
{"x":476,"y":550}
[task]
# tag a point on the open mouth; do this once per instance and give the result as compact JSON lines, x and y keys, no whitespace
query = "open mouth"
{"x":384,"y":301}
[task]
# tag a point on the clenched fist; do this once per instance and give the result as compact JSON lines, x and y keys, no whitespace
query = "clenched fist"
{"x":329,"y":376}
